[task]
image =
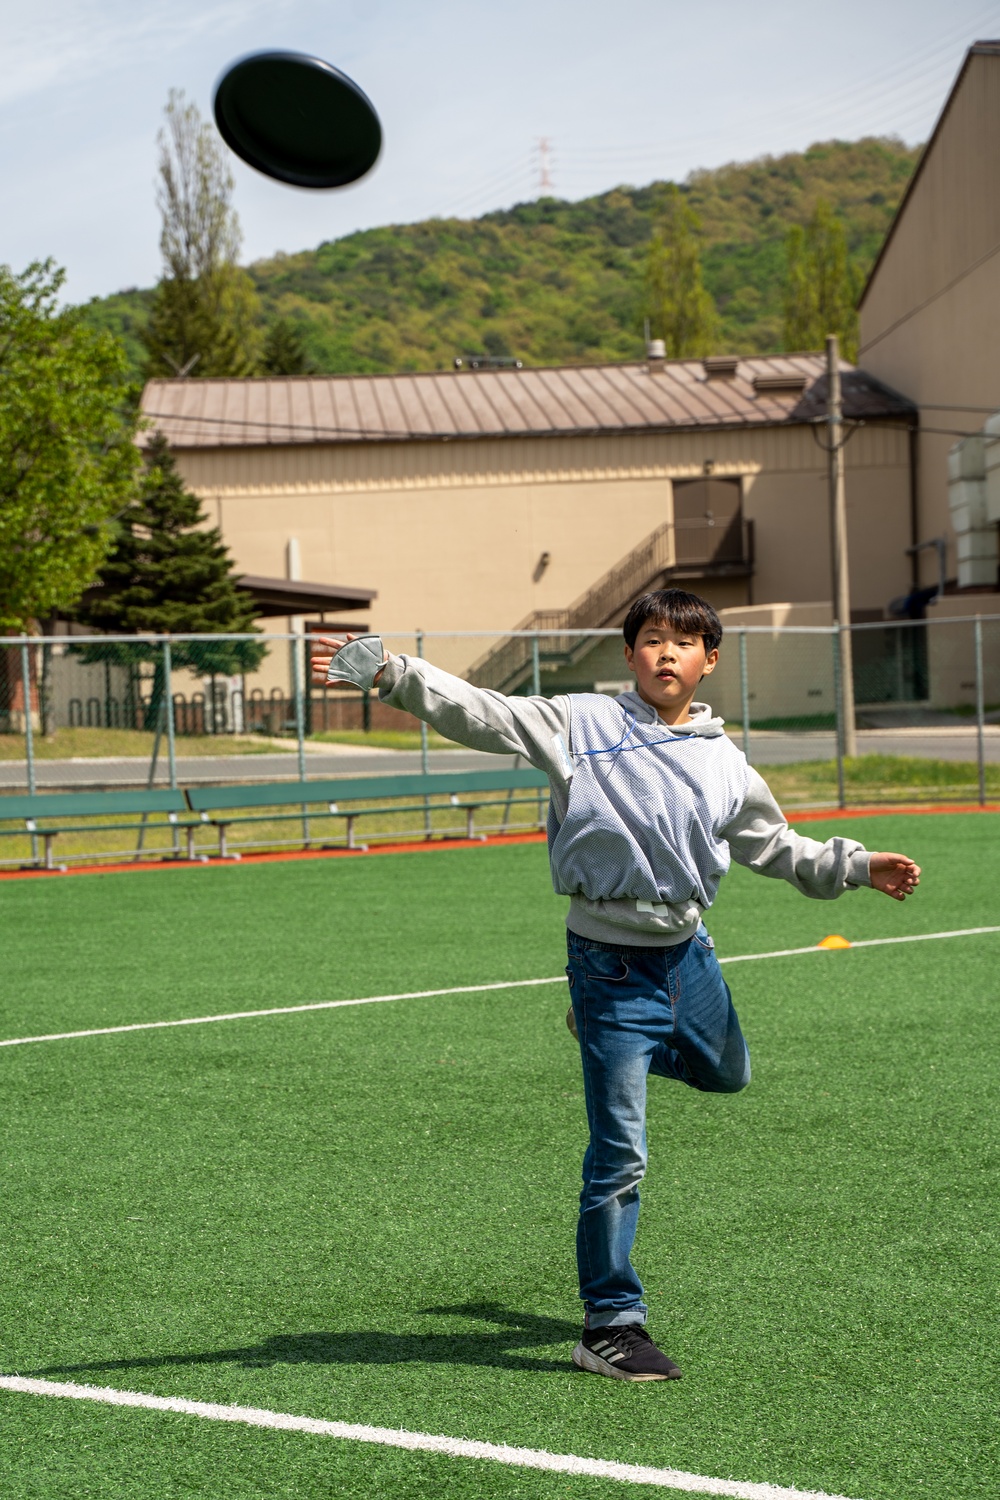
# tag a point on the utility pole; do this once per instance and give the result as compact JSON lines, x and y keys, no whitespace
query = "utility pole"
{"x":545,"y":183}
{"x":838,"y":544}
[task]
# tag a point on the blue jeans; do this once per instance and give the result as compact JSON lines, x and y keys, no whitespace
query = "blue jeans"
{"x":639,"y":1010}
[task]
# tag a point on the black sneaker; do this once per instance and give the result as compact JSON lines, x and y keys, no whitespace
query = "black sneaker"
{"x":625,"y":1352}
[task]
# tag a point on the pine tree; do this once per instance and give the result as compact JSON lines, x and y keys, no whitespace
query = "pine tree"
{"x":168,"y":573}
{"x":820,"y":285}
{"x":284,"y":350}
{"x":204,"y":326}
{"x":676,"y":302}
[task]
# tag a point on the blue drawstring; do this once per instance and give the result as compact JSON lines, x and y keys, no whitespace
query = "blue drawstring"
{"x":622,"y":748}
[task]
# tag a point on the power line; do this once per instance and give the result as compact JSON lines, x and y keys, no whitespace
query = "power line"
{"x":499,"y":183}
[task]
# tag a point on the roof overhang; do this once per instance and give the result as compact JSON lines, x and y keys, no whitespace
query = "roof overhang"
{"x":288,"y":596}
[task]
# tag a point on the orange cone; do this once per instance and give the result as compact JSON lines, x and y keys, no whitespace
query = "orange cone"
{"x":834,"y":941}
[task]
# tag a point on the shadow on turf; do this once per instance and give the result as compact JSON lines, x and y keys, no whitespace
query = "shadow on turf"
{"x":512,"y":1332}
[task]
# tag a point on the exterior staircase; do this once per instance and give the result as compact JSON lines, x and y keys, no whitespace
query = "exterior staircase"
{"x":673,"y":554}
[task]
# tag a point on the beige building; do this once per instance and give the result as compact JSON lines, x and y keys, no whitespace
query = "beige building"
{"x":930,"y":328}
{"x":493,"y":499}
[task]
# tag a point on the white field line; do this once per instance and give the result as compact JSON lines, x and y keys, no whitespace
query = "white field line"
{"x":460,"y":989}
{"x":916,"y":937}
{"x":279,"y":1010}
{"x":424,"y":1442}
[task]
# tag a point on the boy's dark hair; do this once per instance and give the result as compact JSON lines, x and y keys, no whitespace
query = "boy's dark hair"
{"x":677,"y":608}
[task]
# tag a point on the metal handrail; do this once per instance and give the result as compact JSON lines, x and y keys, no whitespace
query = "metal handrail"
{"x":655,"y":556}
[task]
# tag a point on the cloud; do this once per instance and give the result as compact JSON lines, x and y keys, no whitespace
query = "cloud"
{"x":44,"y":48}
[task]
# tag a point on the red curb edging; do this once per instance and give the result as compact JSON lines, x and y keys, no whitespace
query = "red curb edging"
{"x":817,"y":815}
{"x":275,"y":856}
{"x":497,"y":840}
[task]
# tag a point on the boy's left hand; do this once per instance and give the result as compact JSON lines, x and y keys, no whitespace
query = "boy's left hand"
{"x":895,"y":874}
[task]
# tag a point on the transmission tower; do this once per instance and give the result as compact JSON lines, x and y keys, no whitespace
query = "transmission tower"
{"x":545,"y":183}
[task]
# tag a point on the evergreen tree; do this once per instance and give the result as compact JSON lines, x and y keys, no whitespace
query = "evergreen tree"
{"x":284,"y":350}
{"x":820,"y":285}
{"x":168,"y":573}
{"x":676,"y":302}
{"x":206,"y":313}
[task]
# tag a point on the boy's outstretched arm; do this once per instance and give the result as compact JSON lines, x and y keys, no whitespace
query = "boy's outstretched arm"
{"x":535,"y":728}
{"x":760,"y":838}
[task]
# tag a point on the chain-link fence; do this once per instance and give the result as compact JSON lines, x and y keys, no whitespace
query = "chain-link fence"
{"x":115,"y":714}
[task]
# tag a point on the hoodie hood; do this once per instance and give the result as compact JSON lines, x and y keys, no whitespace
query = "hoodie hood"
{"x":702,"y":722}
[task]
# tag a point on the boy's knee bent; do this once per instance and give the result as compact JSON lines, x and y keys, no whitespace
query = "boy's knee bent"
{"x":728,"y":1079}
{"x":737,"y":1085}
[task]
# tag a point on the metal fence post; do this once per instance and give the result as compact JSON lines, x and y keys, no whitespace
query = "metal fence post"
{"x":839,"y":709}
{"x":980,"y":711}
{"x":536,"y":688}
{"x":744,"y":692}
{"x":169,"y":705}
{"x":168,"y":699}
{"x":423,"y":727}
{"x":424,"y":767}
{"x":29,"y":742}
{"x":300,"y":728}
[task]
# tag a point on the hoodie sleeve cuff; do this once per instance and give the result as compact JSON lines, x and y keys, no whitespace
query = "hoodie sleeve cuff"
{"x":391,"y":673}
{"x":858,"y":869}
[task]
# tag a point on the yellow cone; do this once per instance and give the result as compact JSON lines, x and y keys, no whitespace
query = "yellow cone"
{"x":834,"y":941}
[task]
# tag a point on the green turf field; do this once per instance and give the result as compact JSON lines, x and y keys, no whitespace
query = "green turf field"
{"x":366,"y":1214}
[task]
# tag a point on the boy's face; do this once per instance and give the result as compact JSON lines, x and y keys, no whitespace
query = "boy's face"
{"x":668,"y":665}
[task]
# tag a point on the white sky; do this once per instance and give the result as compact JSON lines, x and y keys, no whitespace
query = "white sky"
{"x":625,"y":92}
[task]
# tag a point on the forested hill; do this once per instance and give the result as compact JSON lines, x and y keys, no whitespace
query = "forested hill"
{"x":554,"y":282}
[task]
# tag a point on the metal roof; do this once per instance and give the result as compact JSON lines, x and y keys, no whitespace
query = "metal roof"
{"x":567,"y":400}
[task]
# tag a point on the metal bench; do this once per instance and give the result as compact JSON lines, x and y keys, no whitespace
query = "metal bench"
{"x":221,"y":806}
{"x":35,"y":811}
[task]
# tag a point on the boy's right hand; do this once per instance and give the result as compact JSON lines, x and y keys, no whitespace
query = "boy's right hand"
{"x":896,"y":875}
{"x":320,"y":665}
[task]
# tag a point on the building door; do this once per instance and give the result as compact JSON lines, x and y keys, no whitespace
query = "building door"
{"x":708,"y":521}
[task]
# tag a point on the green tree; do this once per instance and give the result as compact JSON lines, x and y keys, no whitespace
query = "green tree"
{"x":676,"y":302}
{"x":168,"y":573}
{"x":205,"y":316}
{"x":67,"y":456}
{"x":284,"y":350}
{"x":820,"y":284}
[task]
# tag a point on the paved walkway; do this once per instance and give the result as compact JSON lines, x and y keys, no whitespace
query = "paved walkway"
{"x":195,"y":769}
{"x":766,"y":748}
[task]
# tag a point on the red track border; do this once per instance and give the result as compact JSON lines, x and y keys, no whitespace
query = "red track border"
{"x":279,"y":855}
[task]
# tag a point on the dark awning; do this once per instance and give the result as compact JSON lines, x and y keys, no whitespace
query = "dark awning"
{"x":293,"y":596}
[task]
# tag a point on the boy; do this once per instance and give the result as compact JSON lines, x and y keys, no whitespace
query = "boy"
{"x":649,"y":800}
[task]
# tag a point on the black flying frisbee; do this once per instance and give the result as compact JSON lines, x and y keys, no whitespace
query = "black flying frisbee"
{"x":298,"y":119}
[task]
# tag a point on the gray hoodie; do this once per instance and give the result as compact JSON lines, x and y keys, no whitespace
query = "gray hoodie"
{"x":644,"y":816}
